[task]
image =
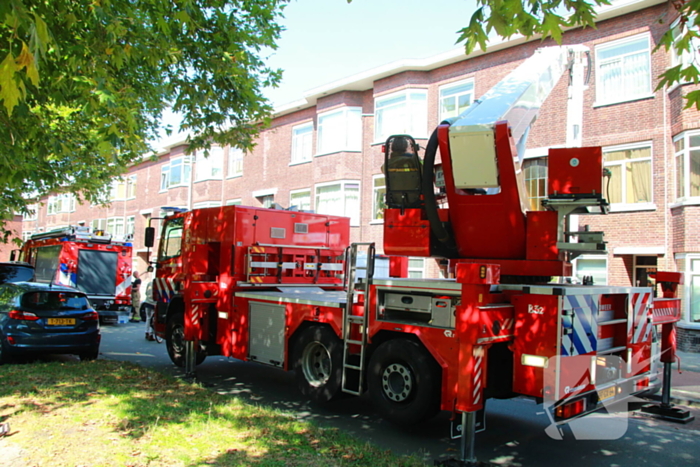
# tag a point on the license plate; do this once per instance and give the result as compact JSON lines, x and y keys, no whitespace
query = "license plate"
{"x":61,"y":321}
{"x":606,"y":393}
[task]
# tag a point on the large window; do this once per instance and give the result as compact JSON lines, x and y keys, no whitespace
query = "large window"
{"x":172,"y":239}
{"x":687,"y":57}
{"x":404,"y":112}
{"x":455,"y":98}
{"x":61,"y":203}
{"x":623,"y":70}
{"x":535,"y":171}
{"x":301,"y":142}
{"x":123,"y":188}
{"x":687,"y":146}
{"x":378,"y":197}
{"x":630,"y":174}
{"x":211,"y":166}
{"x":690,"y":266}
{"x":235,"y":162}
{"x":340,"y":130}
{"x":31,"y":214}
{"x":115,"y":226}
{"x":339,"y":199}
{"x":176,"y":173}
{"x":301,"y":199}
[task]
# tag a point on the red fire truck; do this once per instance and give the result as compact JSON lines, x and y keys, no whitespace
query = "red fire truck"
{"x":92,"y":262}
{"x":281,"y":287}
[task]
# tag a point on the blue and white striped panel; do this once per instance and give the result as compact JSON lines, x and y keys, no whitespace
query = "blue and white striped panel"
{"x":584,"y":336}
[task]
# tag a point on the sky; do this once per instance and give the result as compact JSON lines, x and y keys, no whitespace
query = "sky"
{"x":327,"y":40}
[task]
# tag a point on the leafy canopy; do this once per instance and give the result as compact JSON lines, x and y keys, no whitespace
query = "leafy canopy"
{"x":84,"y":83}
{"x":529,"y":18}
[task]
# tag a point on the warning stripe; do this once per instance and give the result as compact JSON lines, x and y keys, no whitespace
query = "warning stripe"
{"x":476,"y":379}
{"x":641,"y":324}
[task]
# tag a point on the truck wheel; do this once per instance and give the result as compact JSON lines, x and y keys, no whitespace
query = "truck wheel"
{"x":318,"y":362}
{"x":404,"y":382}
{"x":175,"y":341}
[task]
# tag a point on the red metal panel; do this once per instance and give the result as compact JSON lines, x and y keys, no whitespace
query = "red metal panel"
{"x":575,"y":171}
{"x":406,"y":233}
{"x":541,"y":241}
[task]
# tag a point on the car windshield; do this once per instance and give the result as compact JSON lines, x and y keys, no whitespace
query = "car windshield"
{"x":15,"y":273}
{"x":42,"y":301}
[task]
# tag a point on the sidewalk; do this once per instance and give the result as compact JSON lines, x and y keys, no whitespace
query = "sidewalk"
{"x":685,"y":386}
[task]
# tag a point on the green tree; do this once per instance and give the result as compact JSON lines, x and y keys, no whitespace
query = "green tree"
{"x":84,"y":83}
{"x":530,"y":18}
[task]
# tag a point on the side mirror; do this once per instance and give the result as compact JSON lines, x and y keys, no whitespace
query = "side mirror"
{"x":150,"y":268}
{"x":149,"y":237}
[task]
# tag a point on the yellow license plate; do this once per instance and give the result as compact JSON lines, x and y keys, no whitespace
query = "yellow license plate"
{"x":61,"y":321}
{"x":606,"y":393}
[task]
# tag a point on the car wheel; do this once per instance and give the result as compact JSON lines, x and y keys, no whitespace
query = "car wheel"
{"x":404,"y":382}
{"x":175,"y":341}
{"x":90,"y":355}
{"x":318,"y":364}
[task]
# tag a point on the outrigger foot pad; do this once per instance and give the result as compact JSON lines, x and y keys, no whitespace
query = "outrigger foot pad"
{"x":669,"y":413}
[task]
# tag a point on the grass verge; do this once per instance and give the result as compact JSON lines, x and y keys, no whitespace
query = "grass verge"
{"x":108,"y":413}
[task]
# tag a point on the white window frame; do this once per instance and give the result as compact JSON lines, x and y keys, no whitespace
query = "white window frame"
{"x":166,"y":173}
{"x":688,"y":277}
{"x":294,"y":193}
{"x":65,"y":202}
{"x":116,"y":226}
{"x":33,"y":213}
{"x":626,"y":206}
{"x":688,"y":57}
{"x":408,"y":106}
{"x":98,"y":224}
{"x":302,"y":143}
{"x":339,"y":130}
{"x":416,"y":269}
{"x":377,"y":210}
{"x":26,"y":235}
{"x":234,"y":202}
{"x":683,"y":192}
{"x":130,"y":226}
{"x":127,"y":186}
{"x":446,"y":88}
{"x":354,"y":216}
{"x":209,"y":167}
{"x":235,"y":162}
{"x":206,"y":204}
{"x":623,"y":93}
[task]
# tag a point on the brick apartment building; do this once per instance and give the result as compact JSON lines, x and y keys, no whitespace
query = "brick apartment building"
{"x":323,"y":153}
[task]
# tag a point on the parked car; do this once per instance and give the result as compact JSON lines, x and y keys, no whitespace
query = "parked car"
{"x":47,"y":319}
{"x":16,"y":271}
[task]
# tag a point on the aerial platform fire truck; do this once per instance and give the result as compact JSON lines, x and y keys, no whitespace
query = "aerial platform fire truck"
{"x":281,"y":287}
{"x":92,"y":262}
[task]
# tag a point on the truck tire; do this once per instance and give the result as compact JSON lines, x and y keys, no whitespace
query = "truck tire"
{"x":404,"y":382}
{"x":318,"y":363}
{"x":175,"y":341}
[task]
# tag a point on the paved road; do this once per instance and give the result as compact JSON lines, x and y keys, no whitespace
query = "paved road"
{"x":515,"y":432}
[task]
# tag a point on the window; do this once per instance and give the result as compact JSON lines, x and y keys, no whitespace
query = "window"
{"x":26,"y":235}
{"x":630,"y":174}
{"x":234,"y":202}
{"x":115,"y":226}
{"x":692,"y":294}
{"x":301,"y":142}
{"x":301,"y":199}
{"x":32,"y":213}
{"x":176,"y":173}
{"x":592,"y":266}
{"x":687,"y":57}
{"x":378,"y":197}
{"x":687,"y":146}
{"x":404,"y":112}
{"x":267,"y":200}
{"x":98,"y":224}
{"x":207,"y":204}
{"x":130,"y":225}
{"x":623,"y":70}
{"x":339,"y":199}
{"x":455,"y":98}
{"x":416,"y":268}
{"x":209,"y":166}
{"x":235,"y":162}
{"x":340,"y":130}
{"x":172,"y":239}
{"x":535,"y":171}
{"x":61,"y":203}
{"x":123,"y":188}
{"x":643,"y":265}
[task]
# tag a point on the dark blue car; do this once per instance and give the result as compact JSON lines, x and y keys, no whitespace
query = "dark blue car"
{"x":47,"y":319}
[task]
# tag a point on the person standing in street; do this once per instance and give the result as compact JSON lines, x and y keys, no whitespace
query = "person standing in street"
{"x":135,"y":297}
{"x":149,"y":305}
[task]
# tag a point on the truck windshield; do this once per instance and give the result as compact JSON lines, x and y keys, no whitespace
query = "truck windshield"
{"x":171,"y":241}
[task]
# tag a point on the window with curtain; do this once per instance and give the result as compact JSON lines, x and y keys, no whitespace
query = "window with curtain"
{"x":630,"y":170}
{"x":455,"y":98}
{"x":301,"y":199}
{"x":301,"y":142}
{"x":123,"y":188}
{"x":687,"y":156}
{"x":339,"y":199}
{"x":340,"y":130}
{"x":535,"y":171}
{"x":404,"y":112}
{"x":209,"y":166}
{"x":623,"y":70}
{"x":235,"y":162}
{"x":378,"y":197}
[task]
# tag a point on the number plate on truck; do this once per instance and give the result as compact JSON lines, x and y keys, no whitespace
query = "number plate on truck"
{"x":61,"y":321}
{"x":606,"y":393}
